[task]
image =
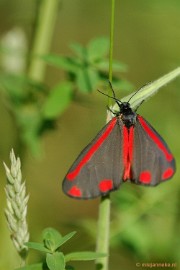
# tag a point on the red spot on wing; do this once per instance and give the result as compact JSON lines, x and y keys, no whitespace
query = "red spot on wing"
{"x":71,"y":176}
{"x":128,"y":139}
{"x":155,"y":138}
{"x":106,"y":185}
{"x":75,"y":191}
{"x":167,"y":173}
{"x":145,"y":177}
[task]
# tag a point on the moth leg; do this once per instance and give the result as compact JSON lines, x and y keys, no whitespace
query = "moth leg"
{"x":139,"y":105}
{"x":109,"y":109}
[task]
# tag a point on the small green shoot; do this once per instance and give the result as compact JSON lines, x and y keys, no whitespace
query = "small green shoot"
{"x":56,"y":259}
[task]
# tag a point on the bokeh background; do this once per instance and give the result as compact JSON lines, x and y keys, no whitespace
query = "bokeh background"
{"x":144,"y":222}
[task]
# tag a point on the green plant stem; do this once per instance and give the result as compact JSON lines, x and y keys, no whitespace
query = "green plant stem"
{"x":103,"y":233}
{"x":111,"y":40}
{"x":104,"y":207}
{"x":43,"y":36}
{"x":111,"y":49}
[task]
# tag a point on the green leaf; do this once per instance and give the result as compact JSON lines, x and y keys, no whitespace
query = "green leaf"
{"x":36,"y":246}
{"x":51,"y":238}
{"x":151,"y":88}
{"x":55,"y":261}
{"x":119,"y":66}
{"x":97,"y":48}
{"x":65,"y":239}
{"x":67,"y":63}
{"x":51,"y":233}
{"x":83,"y":256}
{"x":103,"y":65}
{"x":37,"y":266}
{"x":19,"y":88}
{"x":82,"y":81}
{"x":79,"y":50}
{"x":58,"y":100}
{"x":87,"y":79}
{"x":93,"y":77}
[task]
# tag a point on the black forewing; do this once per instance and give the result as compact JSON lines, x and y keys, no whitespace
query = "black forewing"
{"x":105,"y":164}
{"x":150,"y":165}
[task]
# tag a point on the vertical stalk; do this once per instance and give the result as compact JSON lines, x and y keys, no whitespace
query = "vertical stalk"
{"x":104,"y":207}
{"x":111,"y":40}
{"x":103,"y":233}
{"x":43,"y":36}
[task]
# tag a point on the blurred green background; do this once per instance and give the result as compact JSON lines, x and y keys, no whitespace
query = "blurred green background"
{"x":145,"y":222}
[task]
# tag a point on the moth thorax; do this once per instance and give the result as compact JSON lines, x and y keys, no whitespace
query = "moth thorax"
{"x":128,"y":119}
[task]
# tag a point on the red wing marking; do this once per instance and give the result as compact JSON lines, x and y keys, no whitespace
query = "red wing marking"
{"x":167,"y":173}
{"x":155,"y":138}
{"x":71,"y":176}
{"x":145,"y":177}
{"x":106,"y":185}
{"x":128,"y":138}
{"x":75,"y":191}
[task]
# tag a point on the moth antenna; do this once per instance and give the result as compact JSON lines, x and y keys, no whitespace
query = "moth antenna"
{"x":106,"y":94}
{"x":138,"y":91}
{"x":117,"y":100}
{"x":134,"y":94}
{"x":139,"y":105}
{"x":110,"y":84}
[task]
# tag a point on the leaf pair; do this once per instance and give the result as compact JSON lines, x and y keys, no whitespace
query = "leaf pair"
{"x":55,"y":260}
{"x":90,"y":65}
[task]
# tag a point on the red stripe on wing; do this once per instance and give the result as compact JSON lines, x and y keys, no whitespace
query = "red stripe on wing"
{"x":155,"y":138}
{"x":72,"y":175}
{"x":128,"y":139}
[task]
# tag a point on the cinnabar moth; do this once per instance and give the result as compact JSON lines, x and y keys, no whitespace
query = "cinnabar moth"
{"x":127,"y":148}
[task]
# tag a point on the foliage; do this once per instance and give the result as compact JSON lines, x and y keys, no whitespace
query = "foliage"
{"x":36,"y":108}
{"x":140,"y":215}
{"x":89,"y":67}
{"x":54,"y":258}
